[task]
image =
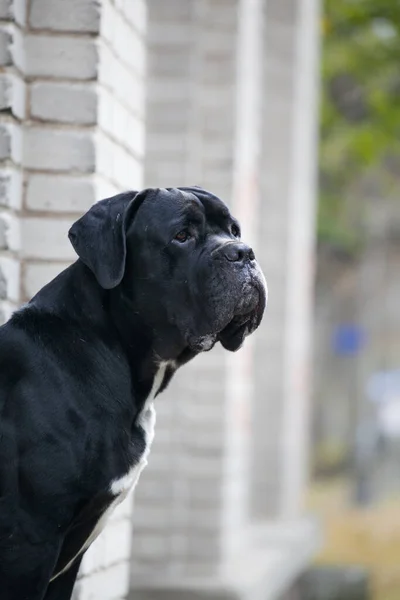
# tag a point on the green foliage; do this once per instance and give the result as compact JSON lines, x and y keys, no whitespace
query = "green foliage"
{"x":360,"y":112}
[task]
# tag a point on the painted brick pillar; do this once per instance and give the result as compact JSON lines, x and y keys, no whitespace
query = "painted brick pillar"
{"x":286,"y":228}
{"x":191,"y":512}
{"x":191,"y":508}
{"x":72,"y":90}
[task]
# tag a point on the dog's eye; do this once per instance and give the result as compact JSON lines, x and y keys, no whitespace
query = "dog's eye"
{"x":235,"y":230}
{"x":182,"y":236}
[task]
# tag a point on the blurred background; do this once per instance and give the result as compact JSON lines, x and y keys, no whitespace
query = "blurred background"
{"x":275,"y":472}
{"x":355,"y":457}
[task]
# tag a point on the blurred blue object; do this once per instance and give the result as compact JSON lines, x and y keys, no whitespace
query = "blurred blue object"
{"x":348,"y":339}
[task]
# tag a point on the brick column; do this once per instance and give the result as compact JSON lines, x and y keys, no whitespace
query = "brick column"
{"x":191,"y":511}
{"x":286,"y":231}
{"x":193,"y":534}
{"x":71,"y":132}
{"x":12,"y":115}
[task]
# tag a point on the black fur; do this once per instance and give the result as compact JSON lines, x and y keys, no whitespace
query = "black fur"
{"x":78,"y":361}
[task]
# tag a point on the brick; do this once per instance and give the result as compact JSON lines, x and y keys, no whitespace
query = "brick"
{"x":136,"y":14}
{"x":63,"y":56}
{"x":154,"y":489}
{"x":58,"y":150}
{"x":46,"y":239}
{"x":180,"y":92}
{"x":5,"y":46}
{"x":219,"y":43}
{"x":59,"y":193}
{"x":144,"y":571}
{"x":170,"y":62}
{"x":118,"y":122}
{"x":129,"y":46}
{"x":9,"y":232}
{"x":174,"y":10}
{"x":152,"y":517}
{"x":9,"y":279}
{"x":63,"y":102}
{"x":107,"y":23}
{"x":20,"y":11}
{"x":58,"y":15}
{"x":203,"y":548}
{"x":125,"y":42}
{"x":169,"y":34}
{"x":117,"y":542}
{"x":36,"y":275}
{"x":222,"y":18}
{"x":12,"y":50}
{"x":6,"y":9}
{"x":110,"y":584}
{"x":13,"y":10}
{"x":151,"y":546}
{"x":121,"y":81}
{"x":167,"y":117}
{"x":12,"y":94}
{"x":114,"y":163}
{"x":11,"y":142}
{"x":10,"y":188}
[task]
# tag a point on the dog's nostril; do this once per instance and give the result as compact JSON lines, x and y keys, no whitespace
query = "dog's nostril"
{"x":238,"y":253}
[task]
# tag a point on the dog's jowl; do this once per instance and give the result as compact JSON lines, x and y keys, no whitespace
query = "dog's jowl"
{"x":161,"y":275}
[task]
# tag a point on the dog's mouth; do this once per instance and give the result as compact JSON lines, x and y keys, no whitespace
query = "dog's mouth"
{"x":245,"y":322}
{"x":239,"y":322}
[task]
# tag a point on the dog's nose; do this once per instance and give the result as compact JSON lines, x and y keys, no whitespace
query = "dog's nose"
{"x":238,"y":252}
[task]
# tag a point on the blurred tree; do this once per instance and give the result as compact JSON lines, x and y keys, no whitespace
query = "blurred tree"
{"x":360,"y":114}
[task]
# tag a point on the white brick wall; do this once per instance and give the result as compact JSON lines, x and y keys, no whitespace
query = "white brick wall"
{"x":50,"y":149}
{"x":12,"y":94}
{"x":64,"y":102}
{"x":13,"y":10}
{"x":121,"y":98}
{"x":75,"y":193}
{"x":72,"y":132}
{"x":58,"y":15}
{"x":12,"y":111}
{"x":11,"y":187}
{"x":64,"y":57}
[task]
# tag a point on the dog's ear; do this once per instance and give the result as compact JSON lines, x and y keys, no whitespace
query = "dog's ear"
{"x":99,"y":237}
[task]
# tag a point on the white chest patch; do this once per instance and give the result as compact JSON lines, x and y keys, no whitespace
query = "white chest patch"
{"x":121,"y":487}
{"x":147,"y":420}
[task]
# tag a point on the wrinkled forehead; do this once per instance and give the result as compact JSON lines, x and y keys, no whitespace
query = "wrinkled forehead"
{"x":170,"y":204}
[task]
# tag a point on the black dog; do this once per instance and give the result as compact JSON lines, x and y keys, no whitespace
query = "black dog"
{"x":162,"y":275}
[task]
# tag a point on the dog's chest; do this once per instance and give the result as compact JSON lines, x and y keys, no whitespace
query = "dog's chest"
{"x":120,"y":488}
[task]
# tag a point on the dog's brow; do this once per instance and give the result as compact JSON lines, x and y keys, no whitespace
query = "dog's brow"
{"x":224,"y":217}
{"x":195,"y":214}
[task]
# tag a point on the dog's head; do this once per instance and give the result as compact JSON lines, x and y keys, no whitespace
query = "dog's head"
{"x":177,"y":255}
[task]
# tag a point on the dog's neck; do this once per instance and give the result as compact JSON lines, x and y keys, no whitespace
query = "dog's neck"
{"x":109,"y":312}
{"x":163,"y":340}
